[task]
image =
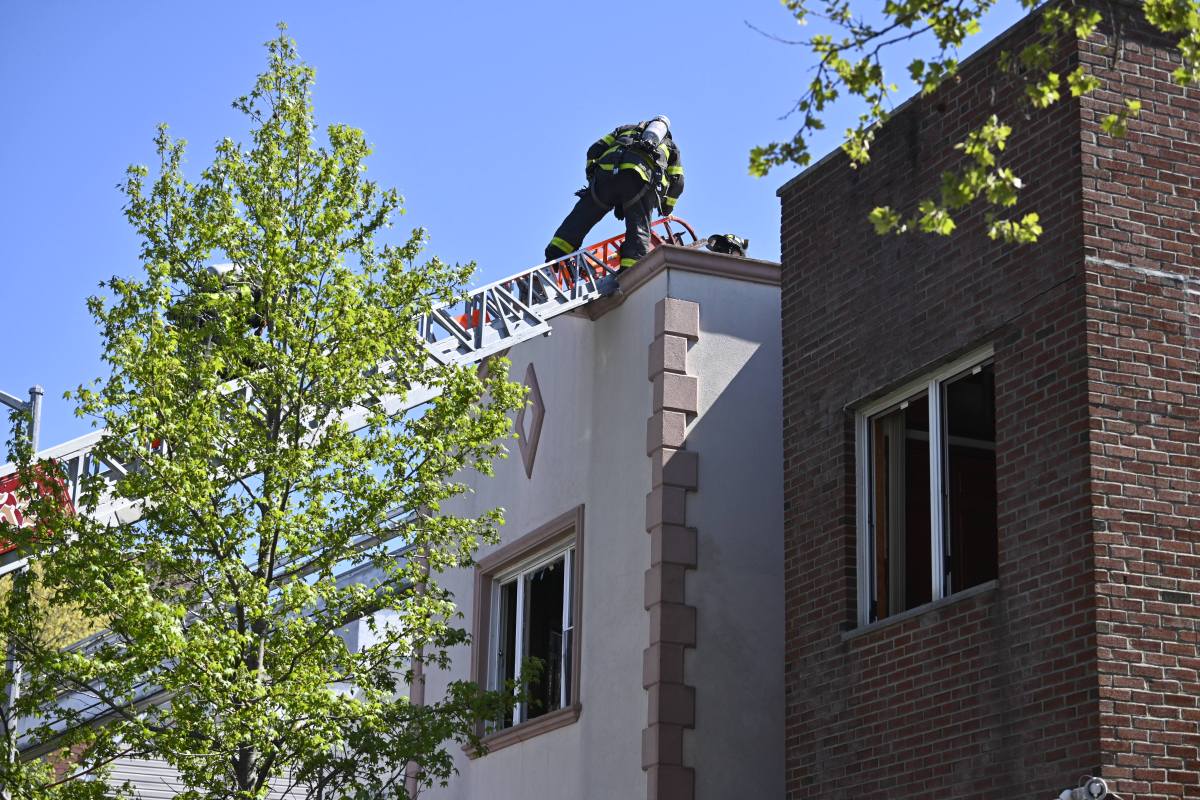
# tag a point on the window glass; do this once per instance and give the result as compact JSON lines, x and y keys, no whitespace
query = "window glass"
{"x":506,"y":656}
{"x":544,"y":588}
{"x":900,"y":507}
{"x":970,"y":479}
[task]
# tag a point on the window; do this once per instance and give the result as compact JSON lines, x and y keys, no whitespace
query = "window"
{"x":927,"y":489}
{"x":533,"y":620}
{"x":527,"y":606}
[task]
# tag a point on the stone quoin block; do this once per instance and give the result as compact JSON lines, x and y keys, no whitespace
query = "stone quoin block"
{"x":677,"y":317}
{"x":668,"y":353}
{"x":666,"y":429}
{"x":673,"y":623}
{"x":666,"y":505}
{"x":662,"y":744}
{"x":672,"y":703}
{"x":675,"y":468}
{"x":664,"y":584}
{"x":662,"y":662}
{"x":674,"y":544}
{"x":670,"y":782}
{"x":674,"y":392}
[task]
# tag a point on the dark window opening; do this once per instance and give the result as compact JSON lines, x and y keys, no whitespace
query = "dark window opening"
{"x":544,"y":589}
{"x":971,"y":543}
{"x":901,"y":508}
{"x":534,"y":626}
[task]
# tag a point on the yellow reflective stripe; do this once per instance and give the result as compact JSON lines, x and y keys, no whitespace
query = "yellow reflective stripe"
{"x":666,"y":151}
{"x":628,"y":262}
{"x":674,"y":170}
{"x":671,"y":202}
{"x":609,"y":167}
{"x":641,"y":169}
{"x":563,"y":244}
{"x":608,"y":138}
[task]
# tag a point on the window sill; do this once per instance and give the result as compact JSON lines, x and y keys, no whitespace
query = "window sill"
{"x":919,"y":611}
{"x":526,"y":730}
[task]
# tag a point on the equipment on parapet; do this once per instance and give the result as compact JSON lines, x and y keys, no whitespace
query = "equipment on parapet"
{"x":729,"y":244}
{"x":631,"y":171}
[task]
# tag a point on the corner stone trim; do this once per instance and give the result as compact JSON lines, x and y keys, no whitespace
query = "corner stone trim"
{"x":671,"y":702}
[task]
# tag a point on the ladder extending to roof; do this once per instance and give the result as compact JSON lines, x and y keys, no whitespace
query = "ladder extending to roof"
{"x":492,"y":318}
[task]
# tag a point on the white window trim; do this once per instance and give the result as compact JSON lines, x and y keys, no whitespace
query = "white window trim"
{"x":929,"y":383}
{"x":565,"y":550}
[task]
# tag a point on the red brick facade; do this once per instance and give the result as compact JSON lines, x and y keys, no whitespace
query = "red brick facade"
{"x":1141,"y":197}
{"x":1082,"y":658}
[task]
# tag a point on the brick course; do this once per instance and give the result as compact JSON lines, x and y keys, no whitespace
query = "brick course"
{"x":1082,"y":657}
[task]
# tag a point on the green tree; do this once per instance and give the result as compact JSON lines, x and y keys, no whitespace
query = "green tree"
{"x":231,"y":396}
{"x":849,"y":56}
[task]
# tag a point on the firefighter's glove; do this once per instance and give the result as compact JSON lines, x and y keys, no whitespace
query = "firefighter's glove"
{"x":619,"y":211}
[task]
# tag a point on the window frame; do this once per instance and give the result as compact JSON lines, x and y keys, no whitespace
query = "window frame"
{"x":931,"y":384}
{"x":535,"y":549}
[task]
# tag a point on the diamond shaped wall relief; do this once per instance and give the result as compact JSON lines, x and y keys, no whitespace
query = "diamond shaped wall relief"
{"x":529,"y":420}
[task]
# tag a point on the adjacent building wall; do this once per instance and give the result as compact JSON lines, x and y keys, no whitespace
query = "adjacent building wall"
{"x":1141,"y":208}
{"x":993,"y":693}
{"x":1082,"y":657}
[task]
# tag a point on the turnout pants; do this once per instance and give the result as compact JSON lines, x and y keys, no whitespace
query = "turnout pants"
{"x":606,"y":192}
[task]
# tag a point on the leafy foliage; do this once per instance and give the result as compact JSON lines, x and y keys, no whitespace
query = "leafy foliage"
{"x":849,"y":63}
{"x":223,"y":600}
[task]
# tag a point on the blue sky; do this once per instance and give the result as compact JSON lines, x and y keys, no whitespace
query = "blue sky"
{"x":479,"y":114}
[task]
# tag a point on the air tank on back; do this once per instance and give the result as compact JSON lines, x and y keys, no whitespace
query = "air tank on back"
{"x":656,"y":131}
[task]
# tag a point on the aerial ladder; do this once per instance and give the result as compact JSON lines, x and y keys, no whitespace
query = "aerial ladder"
{"x":490,"y":319}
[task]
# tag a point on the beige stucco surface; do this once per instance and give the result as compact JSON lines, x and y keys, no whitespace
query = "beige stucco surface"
{"x":737,"y":665}
{"x":592,"y":452}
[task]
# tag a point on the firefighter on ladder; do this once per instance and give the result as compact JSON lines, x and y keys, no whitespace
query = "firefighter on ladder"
{"x":631,"y":171}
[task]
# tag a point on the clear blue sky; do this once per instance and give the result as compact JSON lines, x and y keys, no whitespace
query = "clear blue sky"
{"x":479,"y":114}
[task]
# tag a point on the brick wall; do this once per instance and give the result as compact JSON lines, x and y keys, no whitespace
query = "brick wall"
{"x":1082,"y":658}
{"x":996,"y":690}
{"x":1141,"y":208}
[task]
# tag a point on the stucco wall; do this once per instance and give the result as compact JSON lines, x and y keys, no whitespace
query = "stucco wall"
{"x":592,"y":452}
{"x":737,"y":664}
